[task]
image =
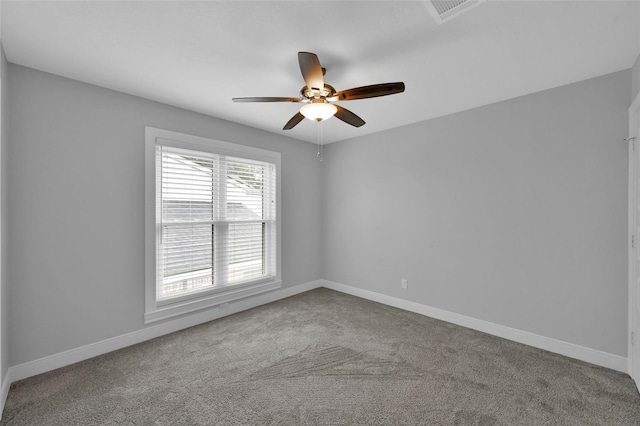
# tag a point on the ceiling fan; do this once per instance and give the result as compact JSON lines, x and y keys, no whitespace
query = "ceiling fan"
{"x":318,"y":96}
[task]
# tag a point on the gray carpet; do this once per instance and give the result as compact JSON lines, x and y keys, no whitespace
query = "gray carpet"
{"x":325,"y":358}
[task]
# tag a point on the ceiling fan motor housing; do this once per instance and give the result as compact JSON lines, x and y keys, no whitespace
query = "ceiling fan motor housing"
{"x":327,"y":92}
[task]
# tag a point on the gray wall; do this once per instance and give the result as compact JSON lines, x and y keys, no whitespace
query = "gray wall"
{"x":635,"y":79}
{"x":513,"y":213}
{"x":76,"y":208}
{"x":4,"y":141}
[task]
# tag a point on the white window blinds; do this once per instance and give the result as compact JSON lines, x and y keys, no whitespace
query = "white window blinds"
{"x":215,"y":222}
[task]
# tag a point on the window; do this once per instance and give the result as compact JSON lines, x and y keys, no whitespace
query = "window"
{"x":211,"y":223}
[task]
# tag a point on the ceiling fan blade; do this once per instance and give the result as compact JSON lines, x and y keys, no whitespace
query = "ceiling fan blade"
{"x":293,"y":122}
{"x":266,"y":99}
{"x":311,"y":70}
{"x":372,"y":91}
{"x":349,"y":117}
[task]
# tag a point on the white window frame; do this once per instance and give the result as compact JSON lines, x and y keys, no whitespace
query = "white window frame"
{"x":155,"y":310}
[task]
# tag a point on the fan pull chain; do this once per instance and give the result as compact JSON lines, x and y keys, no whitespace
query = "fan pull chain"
{"x":320,"y":154}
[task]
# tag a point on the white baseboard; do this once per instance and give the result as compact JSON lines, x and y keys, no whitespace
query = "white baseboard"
{"x":42,"y":365}
{"x":4,"y":391}
{"x":603,"y":359}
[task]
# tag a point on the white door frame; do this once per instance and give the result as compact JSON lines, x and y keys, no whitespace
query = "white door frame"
{"x":634,"y":243}
{"x":2,"y":378}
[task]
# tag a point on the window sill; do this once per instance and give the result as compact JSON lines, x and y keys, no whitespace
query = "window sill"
{"x":188,"y":306}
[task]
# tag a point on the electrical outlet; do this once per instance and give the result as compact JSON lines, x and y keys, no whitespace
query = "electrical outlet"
{"x":404,"y":283}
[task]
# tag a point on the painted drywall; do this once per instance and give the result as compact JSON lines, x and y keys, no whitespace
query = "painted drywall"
{"x":513,"y":213}
{"x":635,"y":78}
{"x":4,"y":299}
{"x":76,"y":208}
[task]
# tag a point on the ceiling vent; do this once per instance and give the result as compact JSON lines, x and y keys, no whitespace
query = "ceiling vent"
{"x":444,"y":10}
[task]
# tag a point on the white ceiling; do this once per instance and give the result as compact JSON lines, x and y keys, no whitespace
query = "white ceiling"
{"x":198,"y":55}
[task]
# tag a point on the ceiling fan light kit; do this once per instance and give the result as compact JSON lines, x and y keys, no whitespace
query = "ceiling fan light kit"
{"x":318,"y":110}
{"x":318,"y":96}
